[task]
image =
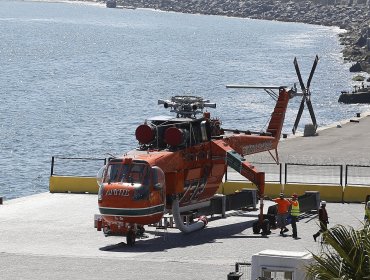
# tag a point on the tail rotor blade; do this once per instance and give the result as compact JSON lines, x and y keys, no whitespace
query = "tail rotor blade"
{"x":301,"y":107}
{"x":312,"y":71}
{"x":310,"y":109}
{"x":299,"y":74}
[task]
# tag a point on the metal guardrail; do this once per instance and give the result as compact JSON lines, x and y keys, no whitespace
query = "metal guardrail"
{"x":293,"y":173}
{"x":318,"y":174}
{"x":273,"y":172}
{"x":77,"y":166}
{"x":357,"y":175}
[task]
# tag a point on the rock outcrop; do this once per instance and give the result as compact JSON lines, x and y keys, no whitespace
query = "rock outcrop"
{"x":351,"y":15}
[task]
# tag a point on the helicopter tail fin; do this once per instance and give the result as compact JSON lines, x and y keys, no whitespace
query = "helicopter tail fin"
{"x":278,"y":115}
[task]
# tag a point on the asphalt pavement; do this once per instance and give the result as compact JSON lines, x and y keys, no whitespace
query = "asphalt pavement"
{"x":52,"y":236}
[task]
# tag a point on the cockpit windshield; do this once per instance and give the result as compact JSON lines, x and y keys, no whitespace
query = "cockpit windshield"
{"x":133,"y":173}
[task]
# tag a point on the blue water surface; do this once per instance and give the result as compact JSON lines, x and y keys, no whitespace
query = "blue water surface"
{"x":77,"y":79}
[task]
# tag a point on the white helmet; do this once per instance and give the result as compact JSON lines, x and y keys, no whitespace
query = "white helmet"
{"x":323,"y":203}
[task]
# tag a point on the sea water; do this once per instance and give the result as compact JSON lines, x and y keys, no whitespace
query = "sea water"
{"x":77,"y":78}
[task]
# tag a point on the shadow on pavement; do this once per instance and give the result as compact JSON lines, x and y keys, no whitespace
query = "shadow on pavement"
{"x":161,"y":240}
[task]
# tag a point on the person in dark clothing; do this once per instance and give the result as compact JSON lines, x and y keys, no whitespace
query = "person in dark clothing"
{"x":324,"y":220}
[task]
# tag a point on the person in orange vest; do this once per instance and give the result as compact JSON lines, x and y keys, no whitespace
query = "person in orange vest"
{"x":282,"y":213}
{"x":294,"y":213}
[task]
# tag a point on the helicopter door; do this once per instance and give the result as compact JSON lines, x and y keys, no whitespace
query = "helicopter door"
{"x":158,"y":193}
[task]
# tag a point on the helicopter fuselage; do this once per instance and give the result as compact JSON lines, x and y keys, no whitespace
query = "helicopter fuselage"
{"x":179,"y":165}
{"x":180,"y":162}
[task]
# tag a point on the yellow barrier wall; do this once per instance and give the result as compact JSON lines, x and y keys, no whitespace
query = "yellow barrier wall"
{"x":230,"y":187}
{"x":327,"y":192}
{"x":73,"y":184}
{"x":355,"y":193}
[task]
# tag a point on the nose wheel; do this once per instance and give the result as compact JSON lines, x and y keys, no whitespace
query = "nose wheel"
{"x":131,"y":238}
{"x":265,"y":227}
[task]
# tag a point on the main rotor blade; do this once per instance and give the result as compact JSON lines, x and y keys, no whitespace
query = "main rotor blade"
{"x":310,"y":108}
{"x":299,"y":75}
{"x":254,"y":87}
{"x":301,"y":107}
{"x":312,"y":71}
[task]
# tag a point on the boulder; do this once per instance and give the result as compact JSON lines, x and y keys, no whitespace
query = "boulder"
{"x":356,"y":67}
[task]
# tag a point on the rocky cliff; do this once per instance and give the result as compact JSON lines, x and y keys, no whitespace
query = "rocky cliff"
{"x":351,"y":15}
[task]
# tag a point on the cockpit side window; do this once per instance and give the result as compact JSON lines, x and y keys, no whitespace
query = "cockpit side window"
{"x":136,"y":173}
{"x":146,"y":176}
{"x":157,"y":178}
{"x":140,"y":172}
{"x":112,"y":174}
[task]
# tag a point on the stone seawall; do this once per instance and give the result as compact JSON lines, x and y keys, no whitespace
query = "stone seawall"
{"x":352,"y":15}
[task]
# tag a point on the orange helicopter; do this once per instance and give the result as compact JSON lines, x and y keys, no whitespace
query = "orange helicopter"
{"x":181,"y":161}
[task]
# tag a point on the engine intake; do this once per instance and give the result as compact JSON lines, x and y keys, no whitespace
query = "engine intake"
{"x":174,"y":136}
{"x":145,"y":133}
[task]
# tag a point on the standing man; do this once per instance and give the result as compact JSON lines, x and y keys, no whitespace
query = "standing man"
{"x":282,"y":213}
{"x":294,"y":213}
{"x":324,"y":220}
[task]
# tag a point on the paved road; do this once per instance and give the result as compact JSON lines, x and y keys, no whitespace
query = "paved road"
{"x":51,"y":236}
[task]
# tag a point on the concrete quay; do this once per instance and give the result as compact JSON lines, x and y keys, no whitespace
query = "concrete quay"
{"x":345,"y":142}
{"x":52,"y":236}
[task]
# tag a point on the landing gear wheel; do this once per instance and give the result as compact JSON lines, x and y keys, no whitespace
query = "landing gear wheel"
{"x":266,"y":227}
{"x":256,"y":227}
{"x":140,"y":231}
{"x":131,"y":238}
